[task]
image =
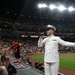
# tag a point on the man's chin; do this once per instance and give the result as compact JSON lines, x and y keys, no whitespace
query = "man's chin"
{"x":47,"y":35}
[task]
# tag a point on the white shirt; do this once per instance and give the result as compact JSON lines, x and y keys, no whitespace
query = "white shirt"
{"x":51,"y":47}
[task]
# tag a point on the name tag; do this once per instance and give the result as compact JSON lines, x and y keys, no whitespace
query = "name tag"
{"x":54,"y":40}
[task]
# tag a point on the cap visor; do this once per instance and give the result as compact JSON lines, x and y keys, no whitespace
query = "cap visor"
{"x":47,"y":28}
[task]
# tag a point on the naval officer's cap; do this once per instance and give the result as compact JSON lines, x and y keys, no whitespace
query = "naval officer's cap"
{"x":48,"y":27}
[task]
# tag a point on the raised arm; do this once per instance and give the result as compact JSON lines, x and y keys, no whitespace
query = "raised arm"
{"x":65,"y":43}
{"x":40,"y":41}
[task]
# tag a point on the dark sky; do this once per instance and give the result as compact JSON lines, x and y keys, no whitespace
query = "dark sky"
{"x":26,"y":8}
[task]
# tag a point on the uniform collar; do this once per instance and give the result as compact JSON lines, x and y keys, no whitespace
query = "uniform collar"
{"x":51,"y":35}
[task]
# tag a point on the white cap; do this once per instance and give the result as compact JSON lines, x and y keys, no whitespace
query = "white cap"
{"x":50,"y":26}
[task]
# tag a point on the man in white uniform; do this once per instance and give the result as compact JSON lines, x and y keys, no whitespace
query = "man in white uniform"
{"x":51,"y":57}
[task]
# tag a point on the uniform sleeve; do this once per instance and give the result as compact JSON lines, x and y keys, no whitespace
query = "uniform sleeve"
{"x":65,"y":43}
{"x":40,"y":43}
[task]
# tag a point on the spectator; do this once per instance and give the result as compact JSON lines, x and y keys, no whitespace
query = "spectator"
{"x":3,"y":71}
{"x":36,"y":65}
{"x":3,"y":58}
{"x":41,"y":67}
{"x":29,"y":61}
{"x":10,"y":68}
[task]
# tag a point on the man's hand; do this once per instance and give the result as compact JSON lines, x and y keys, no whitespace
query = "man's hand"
{"x":41,"y":35}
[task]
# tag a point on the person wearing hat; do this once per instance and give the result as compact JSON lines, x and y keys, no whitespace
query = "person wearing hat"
{"x":51,"y":56}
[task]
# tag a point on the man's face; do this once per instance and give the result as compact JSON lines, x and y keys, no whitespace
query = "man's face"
{"x":6,"y":64}
{"x":50,"y":32}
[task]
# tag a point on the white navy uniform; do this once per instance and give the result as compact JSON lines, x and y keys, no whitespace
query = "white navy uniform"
{"x":51,"y":57}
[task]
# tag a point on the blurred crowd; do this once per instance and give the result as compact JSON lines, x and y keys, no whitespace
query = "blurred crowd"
{"x":27,"y":26}
{"x":27,"y":48}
